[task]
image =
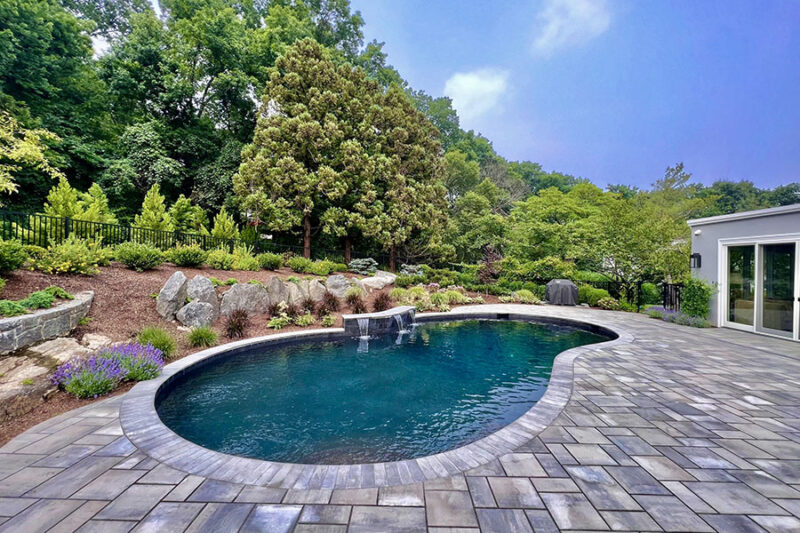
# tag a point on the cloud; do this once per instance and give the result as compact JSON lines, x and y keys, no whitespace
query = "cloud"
{"x":567,"y":23}
{"x":477,"y":92}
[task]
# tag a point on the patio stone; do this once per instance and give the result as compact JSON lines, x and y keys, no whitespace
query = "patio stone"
{"x":402,"y":495}
{"x":326,"y":514}
{"x":134,"y":503}
{"x":169,"y":516}
{"x":573,"y":511}
{"x":734,"y":498}
{"x":629,"y":521}
{"x":672,"y":515}
{"x":450,"y":508}
{"x":221,"y":517}
{"x":503,"y":521}
{"x":515,"y":492}
{"x":273,"y":518}
{"x":387,"y":519}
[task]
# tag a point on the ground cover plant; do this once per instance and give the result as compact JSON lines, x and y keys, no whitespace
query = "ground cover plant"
{"x":236,"y":324}
{"x":43,"y":299}
{"x":159,"y":338}
{"x":202,"y":337}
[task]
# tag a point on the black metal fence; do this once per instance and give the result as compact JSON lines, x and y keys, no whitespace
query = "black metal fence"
{"x":671,"y":295}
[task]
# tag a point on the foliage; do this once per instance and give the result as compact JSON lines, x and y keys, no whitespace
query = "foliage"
{"x":650,"y":295}
{"x":328,"y":320}
{"x":270,"y":261}
{"x":72,"y":256}
{"x":696,"y":297}
{"x":138,"y":256}
{"x":187,"y":218}
{"x":408,"y":281}
{"x":38,"y":300}
{"x":11,"y":308}
{"x":608,"y":303}
{"x":280,"y":321}
{"x":399,"y":294}
{"x":525,"y":296}
{"x":591,"y":295}
{"x":158,"y":338}
{"x":189,"y":255}
{"x":410,"y":270}
{"x":675,"y":317}
{"x":237,"y":323}
{"x":308,"y":304}
{"x":220,"y":259}
{"x":243,"y":258}
{"x":224,"y":226}
{"x":154,"y":214}
{"x":366,"y":266}
{"x":139,"y":362}
{"x":89,"y":378}
{"x":323,"y":268}
{"x":12,"y":255}
{"x":305,"y":319}
{"x":202,"y":337}
{"x":381,"y":302}
{"x":489,"y":269}
{"x":22,"y":148}
{"x":300,"y":264}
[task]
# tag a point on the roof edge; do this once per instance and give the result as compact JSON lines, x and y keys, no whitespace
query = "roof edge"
{"x":782,"y":210}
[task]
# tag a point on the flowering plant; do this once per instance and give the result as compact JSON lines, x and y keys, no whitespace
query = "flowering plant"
{"x":139,"y":362}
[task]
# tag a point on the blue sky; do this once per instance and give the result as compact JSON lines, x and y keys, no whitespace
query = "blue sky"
{"x":613,"y":91}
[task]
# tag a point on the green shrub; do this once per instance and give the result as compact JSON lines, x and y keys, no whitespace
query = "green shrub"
{"x":591,"y":295}
{"x":2,"y":284}
{"x":399,"y":294}
{"x":609,"y":304}
{"x":220,"y":259}
{"x":366,"y":266}
{"x":456,"y":297}
{"x":407,"y":281}
{"x":526,"y":297}
{"x":270,"y":261}
{"x":158,"y":338}
{"x":443,"y":277}
{"x":187,"y":256}
{"x":696,"y":297}
{"x":202,"y":337}
{"x":12,"y":255}
{"x":322,"y":268}
{"x":328,"y":321}
{"x":651,"y":295}
{"x":300,"y":264}
{"x":139,"y":256}
{"x":304,"y":320}
{"x":279,"y":322}
{"x":339,"y":267}
{"x":243,"y":259}
{"x":72,"y":256}
{"x":58,"y":292}
{"x":9,"y":308}
{"x":38,"y":300}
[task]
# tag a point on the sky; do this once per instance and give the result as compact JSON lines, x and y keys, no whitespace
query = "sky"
{"x":612,"y":91}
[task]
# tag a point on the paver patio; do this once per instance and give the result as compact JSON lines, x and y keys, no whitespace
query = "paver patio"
{"x":680,"y":430}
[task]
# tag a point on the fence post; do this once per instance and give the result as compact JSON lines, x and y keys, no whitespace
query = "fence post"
{"x":67,"y":224}
{"x":638,"y":296}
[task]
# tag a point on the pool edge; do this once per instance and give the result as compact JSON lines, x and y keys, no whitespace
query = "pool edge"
{"x":143,"y":427}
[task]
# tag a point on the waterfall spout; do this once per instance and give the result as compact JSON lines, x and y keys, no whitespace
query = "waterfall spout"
{"x":401,"y":327}
{"x":363,"y":328}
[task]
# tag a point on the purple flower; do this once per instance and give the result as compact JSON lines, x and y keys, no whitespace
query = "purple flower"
{"x":139,"y":362}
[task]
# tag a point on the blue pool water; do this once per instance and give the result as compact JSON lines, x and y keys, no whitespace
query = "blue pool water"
{"x":337,"y":402}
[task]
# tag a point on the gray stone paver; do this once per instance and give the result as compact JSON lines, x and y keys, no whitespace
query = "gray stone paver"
{"x":678,"y":430}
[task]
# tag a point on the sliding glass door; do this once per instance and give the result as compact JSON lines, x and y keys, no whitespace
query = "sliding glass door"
{"x":778,"y":288}
{"x":741,"y":284}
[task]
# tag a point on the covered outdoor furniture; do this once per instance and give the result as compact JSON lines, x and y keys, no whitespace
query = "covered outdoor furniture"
{"x":561,"y":292}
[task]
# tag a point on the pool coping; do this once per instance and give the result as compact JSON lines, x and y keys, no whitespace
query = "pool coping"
{"x":143,"y":427}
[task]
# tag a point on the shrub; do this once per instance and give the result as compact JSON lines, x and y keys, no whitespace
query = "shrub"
{"x":304,"y":320}
{"x":439,"y":298}
{"x":38,"y":300}
{"x":292,"y":310}
{"x":328,"y":321}
{"x":270,"y":261}
{"x":399,"y":294}
{"x":609,"y":304}
{"x":139,"y":362}
{"x":158,"y":338}
{"x":138,"y":256}
{"x":330,"y":304}
{"x":455,"y":297}
{"x":187,"y":256}
{"x":525,"y":296}
{"x":243,"y":258}
{"x":322,"y":268}
{"x":410,"y":270}
{"x":202,"y":337}
{"x":2,"y":284}
{"x":72,"y":256}
{"x":366,"y":266}
{"x":404,"y":281}
{"x":279,"y":322}
{"x":489,"y":269}
{"x":358,"y":306}
{"x":230,"y":281}
{"x":591,"y":295}
{"x":382,"y":302}
{"x":9,"y":308}
{"x":300,"y":264}
{"x":339,"y":267}
{"x":215,"y":281}
{"x":58,"y":292}
{"x":352,"y":295}
{"x":90,"y":378}
{"x":416,"y":293}
{"x":308,"y":304}
{"x":274,"y":309}
{"x":12,"y":255}
{"x":650,"y":294}
{"x":237,"y":323}
{"x":220,"y":259}
{"x":443,"y":277}
{"x":695,"y":297}
{"x":293,"y":279}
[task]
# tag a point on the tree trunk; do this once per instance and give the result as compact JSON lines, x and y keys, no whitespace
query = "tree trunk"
{"x":307,"y":236}
{"x":392,"y":258}
{"x":347,"y":249}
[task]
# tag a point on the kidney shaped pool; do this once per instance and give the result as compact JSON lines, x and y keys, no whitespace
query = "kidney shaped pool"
{"x":442,"y":386}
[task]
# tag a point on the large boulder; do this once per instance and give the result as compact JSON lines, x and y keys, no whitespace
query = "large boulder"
{"x":379,"y":280}
{"x":200,"y":289}
{"x":172,"y":296}
{"x":248,"y":296}
{"x":312,"y":288}
{"x":278,"y":292}
{"x":295,"y":295}
{"x":338,"y":285}
{"x":196,"y":314}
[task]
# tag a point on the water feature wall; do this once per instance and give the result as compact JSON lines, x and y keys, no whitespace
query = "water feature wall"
{"x":397,"y":319}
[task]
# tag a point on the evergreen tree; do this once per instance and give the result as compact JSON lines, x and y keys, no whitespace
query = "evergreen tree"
{"x":154,"y":214}
{"x":224,"y":227}
{"x":186,"y":217}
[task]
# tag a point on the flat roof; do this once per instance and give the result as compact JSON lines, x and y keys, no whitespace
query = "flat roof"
{"x":758,"y":213}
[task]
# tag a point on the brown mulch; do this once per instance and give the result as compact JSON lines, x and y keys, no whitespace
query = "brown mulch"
{"x":124,"y":303}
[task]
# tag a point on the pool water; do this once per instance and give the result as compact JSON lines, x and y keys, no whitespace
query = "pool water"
{"x":348,"y":401}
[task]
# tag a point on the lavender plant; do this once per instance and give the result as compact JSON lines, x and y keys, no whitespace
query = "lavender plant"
{"x":90,"y":378}
{"x":139,"y":362}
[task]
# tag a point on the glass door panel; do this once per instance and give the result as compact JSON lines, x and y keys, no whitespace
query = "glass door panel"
{"x":741,"y":284}
{"x":777,"y":302}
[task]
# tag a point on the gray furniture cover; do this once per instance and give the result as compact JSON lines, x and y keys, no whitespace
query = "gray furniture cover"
{"x":561,"y":292}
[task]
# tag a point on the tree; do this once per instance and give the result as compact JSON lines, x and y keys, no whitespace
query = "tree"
{"x":442,"y":115}
{"x":308,"y":148}
{"x":111,"y":17}
{"x":461,"y":175}
{"x":154,"y":214}
{"x":20,"y":148}
{"x":224,"y":227}
{"x":185,"y":217}
{"x":473,"y":226}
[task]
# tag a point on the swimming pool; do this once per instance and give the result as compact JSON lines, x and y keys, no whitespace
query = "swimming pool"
{"x":344,"y":400}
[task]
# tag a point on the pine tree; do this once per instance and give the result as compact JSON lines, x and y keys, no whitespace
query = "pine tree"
{"x":224,"y":226}
{"x":186,"y":217}
{"x":154,"y":214}
{"x":95,"y":206}
{"x":62,"y":201}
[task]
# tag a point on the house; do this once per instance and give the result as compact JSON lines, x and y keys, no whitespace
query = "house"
{"x":753,"y":258}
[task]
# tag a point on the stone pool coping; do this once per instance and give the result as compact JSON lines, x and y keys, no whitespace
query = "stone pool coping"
{"x":143,"y":427}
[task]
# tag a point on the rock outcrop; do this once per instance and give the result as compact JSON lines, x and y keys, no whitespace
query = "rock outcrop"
{"x":251,"y":297}
{"x":172,"y":296}
{"x":196,"y":314}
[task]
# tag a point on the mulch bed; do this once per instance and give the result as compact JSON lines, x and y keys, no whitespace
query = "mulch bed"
{"x":124,"y":303}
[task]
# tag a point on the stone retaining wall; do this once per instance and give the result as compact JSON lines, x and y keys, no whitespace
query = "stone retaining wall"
{"x":21,"y":331}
